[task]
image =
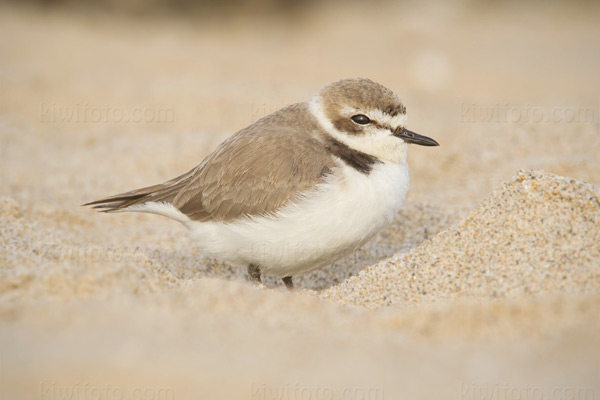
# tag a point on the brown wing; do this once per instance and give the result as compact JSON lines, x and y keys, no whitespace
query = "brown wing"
{"x":254,"y":172}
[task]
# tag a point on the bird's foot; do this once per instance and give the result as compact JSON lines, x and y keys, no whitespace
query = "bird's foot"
{"x":288,"y":282}
{"x":254,"y":273}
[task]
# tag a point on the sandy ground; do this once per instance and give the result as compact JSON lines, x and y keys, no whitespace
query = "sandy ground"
{"x":487,"y":284}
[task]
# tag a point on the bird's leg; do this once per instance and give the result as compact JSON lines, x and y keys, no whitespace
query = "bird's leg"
{"x":288,"y":282}
{"x":254,"y":273}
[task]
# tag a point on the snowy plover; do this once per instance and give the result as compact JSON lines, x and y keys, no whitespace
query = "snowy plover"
{"x":298,"y":189}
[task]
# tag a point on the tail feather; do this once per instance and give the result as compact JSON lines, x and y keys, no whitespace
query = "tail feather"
{"x":161,"y":193}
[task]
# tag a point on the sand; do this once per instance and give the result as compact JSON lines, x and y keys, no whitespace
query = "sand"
{"x":537,"y":234}
{"x":486,"y":285}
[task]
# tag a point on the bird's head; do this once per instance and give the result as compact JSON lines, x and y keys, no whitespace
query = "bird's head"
{"x":367,"y":117}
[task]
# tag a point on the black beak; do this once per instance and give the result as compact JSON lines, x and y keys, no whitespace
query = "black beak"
{"x":415,"y":138}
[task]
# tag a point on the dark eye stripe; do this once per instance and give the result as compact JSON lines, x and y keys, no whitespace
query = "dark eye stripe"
{"x":361,"y":119}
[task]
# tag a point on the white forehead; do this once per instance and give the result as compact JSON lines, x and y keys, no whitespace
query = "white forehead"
{"x":394,"y":121}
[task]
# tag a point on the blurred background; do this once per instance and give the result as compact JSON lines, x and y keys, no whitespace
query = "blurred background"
{"x":99,"y":97}
{"x":489,"y":80}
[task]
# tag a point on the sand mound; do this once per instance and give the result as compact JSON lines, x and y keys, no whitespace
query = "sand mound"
{"x":536,"y":234}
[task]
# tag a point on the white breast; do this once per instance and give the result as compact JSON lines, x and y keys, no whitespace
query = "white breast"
{"x":322,"y":226}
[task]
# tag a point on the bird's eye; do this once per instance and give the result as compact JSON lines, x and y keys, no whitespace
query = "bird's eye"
{"x":361,"y":119}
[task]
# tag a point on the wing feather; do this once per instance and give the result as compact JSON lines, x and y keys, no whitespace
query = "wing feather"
{"x":254,"y":172}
